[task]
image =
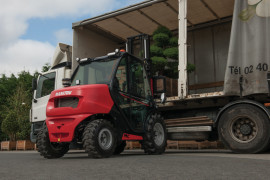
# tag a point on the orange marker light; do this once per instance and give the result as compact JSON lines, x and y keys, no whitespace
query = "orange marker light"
{"x":266,"y":104}
{"x":122,"y":50}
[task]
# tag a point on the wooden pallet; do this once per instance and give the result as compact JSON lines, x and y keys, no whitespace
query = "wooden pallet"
{"x":8,"y":145}
{"x":133,"y":145}
{"x":182,"y":145}
{"x":194,"y":145}
{"x":25,"y":145}
{"x":190,"y":121}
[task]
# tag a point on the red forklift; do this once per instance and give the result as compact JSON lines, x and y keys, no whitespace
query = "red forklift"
{"x":110,"y":99}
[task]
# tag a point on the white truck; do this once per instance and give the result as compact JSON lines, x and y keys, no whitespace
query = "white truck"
{"x":227,"y":97}
{"x":46,"y":83}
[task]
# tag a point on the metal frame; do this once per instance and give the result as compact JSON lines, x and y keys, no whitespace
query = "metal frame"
{"x":182,"y":48}
{"x":116,"y":13}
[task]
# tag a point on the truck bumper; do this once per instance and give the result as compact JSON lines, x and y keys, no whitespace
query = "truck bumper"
{"x":35,"y":128}
{"x":61,"y":129}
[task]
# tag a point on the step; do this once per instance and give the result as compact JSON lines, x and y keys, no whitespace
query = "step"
{"x":189,"y":129}
{"x":190,"y":121}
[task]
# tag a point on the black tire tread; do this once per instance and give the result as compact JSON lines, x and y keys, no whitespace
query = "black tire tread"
{"x":120,"y":148}
{"x":262,"y":144}
{"x":148,"y":143}
{"x":45,"y":148}
{"x":89,"y":139}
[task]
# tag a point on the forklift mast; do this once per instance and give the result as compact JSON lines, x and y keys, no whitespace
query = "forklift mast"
{"x":142,"y":41}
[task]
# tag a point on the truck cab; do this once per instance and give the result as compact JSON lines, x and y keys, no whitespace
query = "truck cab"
{"x":45,"y":84}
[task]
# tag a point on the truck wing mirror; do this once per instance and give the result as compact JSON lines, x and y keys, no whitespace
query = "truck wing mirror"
{"x":163,"y":98}
{"x":34,"y":84}
{"x":159,"y":85}
{"x":66,"y":82}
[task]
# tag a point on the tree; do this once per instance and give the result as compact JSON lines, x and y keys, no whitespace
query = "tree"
{"x":10,"y":125}
{"x":164,"y":53}
{"x":46,"y":67}
{"x":17,"y":103}
{"x":18,"y":107}
{"x":7,"y":87}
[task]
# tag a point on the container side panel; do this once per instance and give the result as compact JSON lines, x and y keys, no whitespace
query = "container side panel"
{"x":204,"y":59}
{"x":190,"y":57}
{"x":221,"y":41}
{"x":249,"y":51}
{"x":87,"y":44}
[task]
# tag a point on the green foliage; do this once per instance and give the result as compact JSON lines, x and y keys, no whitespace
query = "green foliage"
{"x":163,"y":30}
{"x":166,"y":43}
{"x":159,"y":63}
{"x":190,"y":67}
{"x":17,"y":110}
{"x":15,"y":103}
{"x":161,"y":39}
{"x":46,"y":67}
{"x":156,"y":51}
{"x":173,"y":42}
{"x":171,"y":52}
{"x":10,"y":125}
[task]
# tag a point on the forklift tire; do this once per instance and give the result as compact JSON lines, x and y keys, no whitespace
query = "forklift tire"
{"x":99,"y":139}
{"x":120,"y":148}
{"x":46,"y":148}
{"x":245,"y":128}
{"x":155,"y":138}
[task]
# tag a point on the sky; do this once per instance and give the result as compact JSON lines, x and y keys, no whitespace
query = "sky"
{"x":31,"y":29}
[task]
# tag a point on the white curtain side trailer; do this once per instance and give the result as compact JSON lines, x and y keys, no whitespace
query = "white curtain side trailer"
{"x":203,"y":109}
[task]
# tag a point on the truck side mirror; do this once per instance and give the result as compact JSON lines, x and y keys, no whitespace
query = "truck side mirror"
{"x":66,"y":82}
{"x":159,"y":85}
{"x":34,"y":84}
{"x":163,"y":98}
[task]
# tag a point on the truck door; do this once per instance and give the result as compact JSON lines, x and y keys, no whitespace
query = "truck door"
{"x":45,"y":85}
{"x":134,"y":91}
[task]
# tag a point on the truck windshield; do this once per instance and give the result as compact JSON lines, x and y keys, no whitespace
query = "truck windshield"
{"x":96,"y":72}
{"x":45,"y":85}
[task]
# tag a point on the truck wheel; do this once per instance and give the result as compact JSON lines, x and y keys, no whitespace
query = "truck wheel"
{"x":244,"y":129}
{"x":99,"y":139}
{"x":120,"y":148}
{"x":47,"y":149}
{"x":155,"y":138}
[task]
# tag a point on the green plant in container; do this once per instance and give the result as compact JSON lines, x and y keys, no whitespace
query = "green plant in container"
{"x":164,"y":53}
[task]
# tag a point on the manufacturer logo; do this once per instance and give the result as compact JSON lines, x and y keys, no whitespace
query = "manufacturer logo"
{"x":63,"y":93}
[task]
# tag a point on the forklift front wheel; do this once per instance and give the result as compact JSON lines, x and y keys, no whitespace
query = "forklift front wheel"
{"x":99,"y":139}
{"x":155,"y":138}
{"x":47,"y":149}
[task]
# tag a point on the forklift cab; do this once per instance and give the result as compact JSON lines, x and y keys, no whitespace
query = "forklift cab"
{"x":109,"y":97}
{"x":132,"y":92}
{"x":128,"y":82}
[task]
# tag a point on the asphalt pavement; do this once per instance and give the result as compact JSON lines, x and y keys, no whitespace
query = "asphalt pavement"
{"x":134,"y":164}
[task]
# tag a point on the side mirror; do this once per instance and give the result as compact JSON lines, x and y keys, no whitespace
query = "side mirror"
{"x":159,"y":85}
{"x":34,"y":84}
{"x":163,"y":98}
{"x":66,"y":82}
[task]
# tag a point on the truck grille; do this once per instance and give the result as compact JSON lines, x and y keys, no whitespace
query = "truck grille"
{"x":68,"y":102}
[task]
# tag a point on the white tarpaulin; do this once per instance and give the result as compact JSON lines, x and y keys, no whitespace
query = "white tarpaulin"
{"x":249,"y":51}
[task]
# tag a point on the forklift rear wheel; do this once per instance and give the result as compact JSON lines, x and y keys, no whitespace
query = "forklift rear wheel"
{"x":120,"y":148}
{"x":47,"y":149}
{"x":99,"y":139}
{"x":244,"y":128}
{"x":155,"y":138}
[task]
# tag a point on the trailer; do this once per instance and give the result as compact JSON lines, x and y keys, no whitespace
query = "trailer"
{"x":227,"y":96}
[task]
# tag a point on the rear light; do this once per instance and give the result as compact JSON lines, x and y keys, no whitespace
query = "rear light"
{"x":66,"y":102}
